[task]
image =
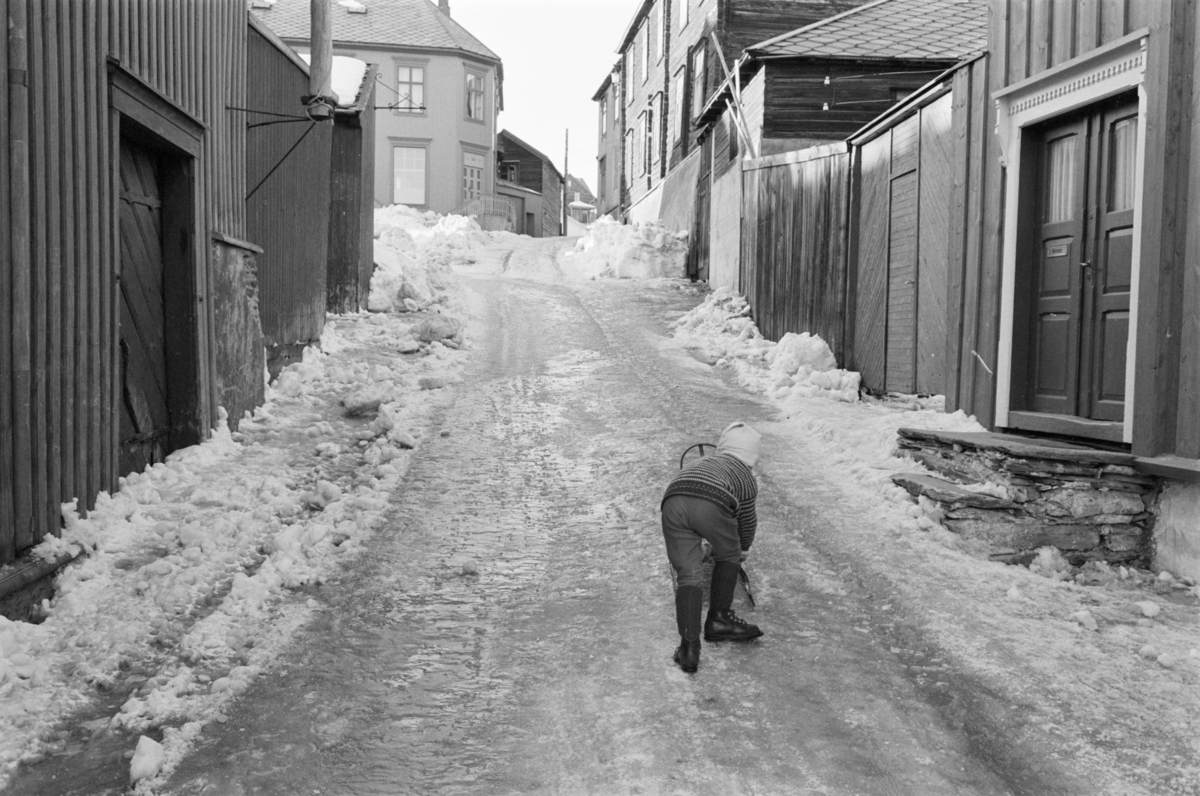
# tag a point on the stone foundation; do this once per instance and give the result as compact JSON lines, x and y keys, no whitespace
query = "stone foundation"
{"x":1020,"y":494}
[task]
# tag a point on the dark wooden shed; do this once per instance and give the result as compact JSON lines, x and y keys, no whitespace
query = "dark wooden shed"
{"x":352,"y":202}
{"x":287,"y":196}
{"x":127,"y":303}
{"x":903,"y":175}
{"x":522,"y":164}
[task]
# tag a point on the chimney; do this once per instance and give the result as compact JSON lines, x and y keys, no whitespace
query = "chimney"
{"x":444,"y":7}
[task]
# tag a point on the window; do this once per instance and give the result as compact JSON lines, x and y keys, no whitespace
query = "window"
{"x":510,"y":170}
{"x":732,"y":129}
{"x":698,"y":81}
{"x":1060,"y":181}
{"x":648,"y":131}
{"x":410,"y":89}
{"x":408,"y":173}
{"x":603,"y":117}
{"x":473,"y":165}
{"x":683,"y":13}
{"x":603,"y":181}
{"x":644,"y":50}
{"x":680,"y":85}
{"x":475,"y":96}
{"x":1122,"y":164}
{"x":628,"y":156}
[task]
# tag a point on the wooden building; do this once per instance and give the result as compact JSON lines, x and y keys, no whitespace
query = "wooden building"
{"x":905,"y":168}
{"x":116,"y":348}
{"x":525,"y":166}
{"x":668,"y":69}
{"x":287,"y":196}
{"x":352,"y":201}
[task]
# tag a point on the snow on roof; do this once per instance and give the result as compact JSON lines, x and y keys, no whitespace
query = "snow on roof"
{"x":902,"y":29}
{"x":347,"y":77}
{"x":391,"y":23}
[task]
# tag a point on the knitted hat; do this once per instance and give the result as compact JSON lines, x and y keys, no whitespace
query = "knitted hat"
{"x":739,"y":440}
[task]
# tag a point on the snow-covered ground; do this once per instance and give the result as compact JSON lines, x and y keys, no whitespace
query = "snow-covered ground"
{"x":186,"y":591}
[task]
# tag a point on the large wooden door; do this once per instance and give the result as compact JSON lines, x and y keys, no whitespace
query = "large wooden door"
{"x":1082,"y":263}
{"x":145,"y":418}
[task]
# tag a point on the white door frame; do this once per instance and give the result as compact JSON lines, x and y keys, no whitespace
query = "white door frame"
{"x":1104,"y":72}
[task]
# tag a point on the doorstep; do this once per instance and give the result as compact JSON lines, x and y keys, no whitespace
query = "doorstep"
{"x":1017,"y":494}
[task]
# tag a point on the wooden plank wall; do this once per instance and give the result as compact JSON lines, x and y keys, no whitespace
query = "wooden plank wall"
{"x":1029,"y":36}
{"x":793,"y":243}
{"x":59,"y":366}
{"x":287,"y":195}
{"x":870,"y":233}
{"x":351,"y":211}
{"x":933,"y":243}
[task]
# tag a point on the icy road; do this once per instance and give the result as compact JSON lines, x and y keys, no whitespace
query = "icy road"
{"x":510,"y":629}
{"x":511,"y":632}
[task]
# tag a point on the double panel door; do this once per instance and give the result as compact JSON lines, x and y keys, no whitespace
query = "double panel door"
{"x":1079,"y":246}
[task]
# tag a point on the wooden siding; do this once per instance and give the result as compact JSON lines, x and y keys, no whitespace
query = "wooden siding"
{"x":796,"y":95}
{"x":1026,"y":38}
{"x":287,"y":194}
{"x":793,"y":253}
{"x":974,"y":267}
{"x":59,"y":357}
{"x":900,"y":228}
{"x":351,"y":205}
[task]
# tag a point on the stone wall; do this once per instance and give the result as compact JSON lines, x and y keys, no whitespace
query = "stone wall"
{"x":1019,"y":495}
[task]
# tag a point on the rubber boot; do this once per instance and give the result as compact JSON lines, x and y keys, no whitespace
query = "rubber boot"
{"x":688,"y":603}
{"x":722,"y":623}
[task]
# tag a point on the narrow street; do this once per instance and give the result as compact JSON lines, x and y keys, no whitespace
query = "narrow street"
{"x":511,"y":630}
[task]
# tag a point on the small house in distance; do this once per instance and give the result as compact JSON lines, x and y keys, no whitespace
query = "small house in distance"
{"x":525,"y":166}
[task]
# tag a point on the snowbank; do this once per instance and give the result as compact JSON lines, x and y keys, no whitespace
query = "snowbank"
{"x":614,"y":250}
{"x":414,"y":255}
{"x":798,"y":366}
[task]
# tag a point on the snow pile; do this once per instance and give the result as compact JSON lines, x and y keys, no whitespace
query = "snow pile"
{"x":182,"y":595}
{"x":798,"y":366}
{"x":347,"y":73}
{"x":416,"y":252}
{"x":614,"y":250}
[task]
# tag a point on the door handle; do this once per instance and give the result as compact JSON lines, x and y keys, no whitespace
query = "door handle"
{"x":1085,"y":264}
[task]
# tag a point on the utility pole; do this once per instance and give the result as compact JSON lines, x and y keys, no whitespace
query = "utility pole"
{"x":321,"y":100}
{"x":566,"y":173}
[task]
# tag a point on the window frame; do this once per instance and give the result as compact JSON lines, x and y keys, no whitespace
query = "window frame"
{"x":644,"y":49}
{"x":684,"y":13}
{"x":409,"y":63}
{"x":414,"y":144}
{"x":481,"y":93}
{"x":482,"y":154}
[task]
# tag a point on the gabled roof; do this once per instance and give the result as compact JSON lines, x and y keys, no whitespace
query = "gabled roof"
{"x":530,"y":150}
{"x":389,"y":23}
{"x":889,"y":29}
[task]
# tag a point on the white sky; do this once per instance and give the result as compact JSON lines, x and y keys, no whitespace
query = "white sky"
{"x":556,"y":53}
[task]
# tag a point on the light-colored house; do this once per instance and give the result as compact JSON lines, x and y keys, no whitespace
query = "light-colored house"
{"x":440,"y":92}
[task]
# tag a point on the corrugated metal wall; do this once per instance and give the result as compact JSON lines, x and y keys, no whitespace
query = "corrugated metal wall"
{"x":58,"y":321}
{"x":287,"y":202}
{"x":793,"y":256}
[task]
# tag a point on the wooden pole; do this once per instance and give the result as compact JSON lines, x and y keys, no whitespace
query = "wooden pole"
{"x":735,"y":107}
{"x":321,"y":100}
{"x":566,"y":172}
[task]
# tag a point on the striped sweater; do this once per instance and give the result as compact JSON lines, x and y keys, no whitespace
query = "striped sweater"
{"x":726,"y":481}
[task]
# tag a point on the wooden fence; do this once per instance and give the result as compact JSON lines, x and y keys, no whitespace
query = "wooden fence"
{"x":793,"y":253}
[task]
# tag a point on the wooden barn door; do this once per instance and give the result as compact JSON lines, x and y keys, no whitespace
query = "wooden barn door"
{"x":698,"y":251}
{"x":1082,"y":259}
{"x":145,"y":417}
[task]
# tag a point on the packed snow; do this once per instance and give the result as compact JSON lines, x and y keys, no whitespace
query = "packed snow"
{"x":627,"y":251}
{"x":192,"y":574}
